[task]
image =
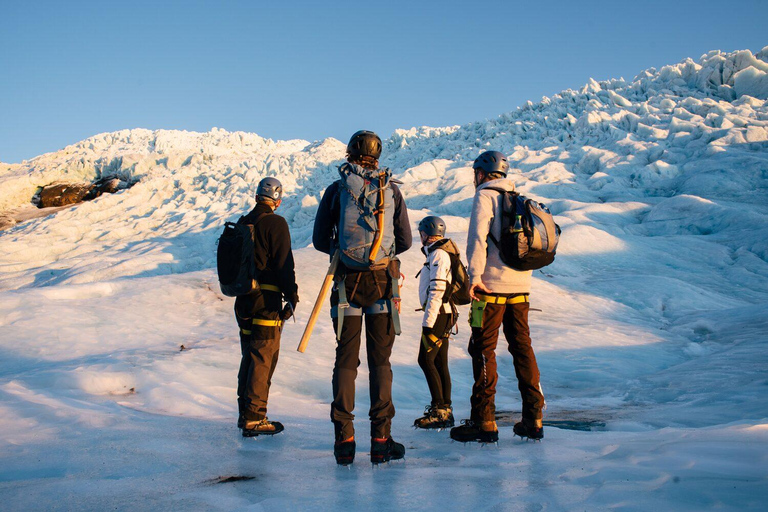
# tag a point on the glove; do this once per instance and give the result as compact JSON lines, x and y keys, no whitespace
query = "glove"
{"x":429,"y":339}
{"x":290,"y":305}
{"x":286,"y":313}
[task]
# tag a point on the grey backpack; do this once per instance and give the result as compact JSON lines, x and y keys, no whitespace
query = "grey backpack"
{"x":529,"y":234}
{"x":366,"y":233}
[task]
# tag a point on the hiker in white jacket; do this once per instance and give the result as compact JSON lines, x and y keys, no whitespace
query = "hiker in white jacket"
{"x":500,"y":298}
{"x":439,"y":318}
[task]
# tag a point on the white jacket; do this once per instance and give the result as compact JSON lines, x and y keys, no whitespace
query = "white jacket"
{"x":482,"y":254}
{"x":434,"y":279}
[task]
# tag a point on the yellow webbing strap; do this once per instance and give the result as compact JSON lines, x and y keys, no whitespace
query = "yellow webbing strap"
{"x":246,"y":332}
{"x":267,"y":323}
{"x":494,"y":299}
{"x":269,"y":288}
{"x":430,"y":341}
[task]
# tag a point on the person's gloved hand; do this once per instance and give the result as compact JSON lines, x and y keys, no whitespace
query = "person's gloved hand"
{"x":286,"y":313}
{"x":289,"y":306}
{"x":429,"y":339}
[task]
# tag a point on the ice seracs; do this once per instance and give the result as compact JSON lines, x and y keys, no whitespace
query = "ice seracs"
{"x":654,"y":322}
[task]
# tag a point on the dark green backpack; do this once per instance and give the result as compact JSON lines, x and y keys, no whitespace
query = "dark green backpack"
{"x":458,"y":292}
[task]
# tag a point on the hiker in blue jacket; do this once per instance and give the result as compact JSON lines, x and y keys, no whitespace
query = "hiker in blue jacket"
{"x":363,"y":215}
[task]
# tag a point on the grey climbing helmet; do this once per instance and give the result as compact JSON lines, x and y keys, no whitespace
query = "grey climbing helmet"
{"x":270,"y":188}
{"x":432,"y":226}
{"x":492,"y":162}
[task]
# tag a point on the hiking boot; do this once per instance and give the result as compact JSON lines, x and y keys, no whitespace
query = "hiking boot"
{"x":531,"y":429}
{"x":450,"y":417}
{"x":261,"y":427}
{"x":435,"y":418}
{"x":482,"y":432}
{"x":384,"y":450}
{"x":344,"y":451}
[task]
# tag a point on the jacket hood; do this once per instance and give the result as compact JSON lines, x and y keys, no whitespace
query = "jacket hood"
{"x":350,"y":168}
{"x":502,"y":183}
{"x":445,"y":243}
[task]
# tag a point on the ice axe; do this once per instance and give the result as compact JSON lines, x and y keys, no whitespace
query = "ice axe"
{"x":324,"y":290}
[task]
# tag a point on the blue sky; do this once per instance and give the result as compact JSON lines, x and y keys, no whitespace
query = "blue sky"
{"x":311,"y":70}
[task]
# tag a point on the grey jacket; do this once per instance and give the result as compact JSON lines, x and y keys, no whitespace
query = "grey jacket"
{"x":484,"y":260}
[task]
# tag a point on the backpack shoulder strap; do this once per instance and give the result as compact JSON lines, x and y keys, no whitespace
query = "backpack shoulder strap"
{"x":261,"y":217}
{"x":336,"y":214}
{"x":336,"y":202}
{"x":514,"y":193}
{"x":258,"y":219}
{"x":501,"y":191}
{"x":440,"y":244}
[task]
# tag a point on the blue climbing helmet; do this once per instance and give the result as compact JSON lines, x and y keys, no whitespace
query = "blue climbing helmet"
{"x":269,"y":188}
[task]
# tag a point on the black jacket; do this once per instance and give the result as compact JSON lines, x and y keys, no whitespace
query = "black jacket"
{"x":327,"y":220}
{"x":272,"y":248}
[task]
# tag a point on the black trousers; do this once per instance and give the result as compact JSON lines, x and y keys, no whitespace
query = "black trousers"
{"x":259,"y":348}
{"x":434,"y":363}
{"x":513,"y":318}
{"x":379,"y":339}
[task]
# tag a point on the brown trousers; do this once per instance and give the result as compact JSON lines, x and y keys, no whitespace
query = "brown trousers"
{"x":482,"y":348}
{"x":259,"y":348}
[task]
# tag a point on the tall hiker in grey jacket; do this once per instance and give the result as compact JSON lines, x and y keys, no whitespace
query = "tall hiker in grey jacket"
{"x":500,"y":299}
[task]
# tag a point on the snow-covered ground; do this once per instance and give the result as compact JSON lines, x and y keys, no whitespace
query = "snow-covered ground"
{"x":653,"y":329}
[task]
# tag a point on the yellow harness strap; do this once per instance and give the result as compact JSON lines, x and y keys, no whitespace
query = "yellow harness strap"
{"x":261,"y":321}
{"x":267,"y":323}
{"x":430,"y":341}
{"x":496,"y":299}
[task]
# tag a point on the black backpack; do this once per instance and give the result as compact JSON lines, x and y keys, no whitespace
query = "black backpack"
{"x":235,"y":261}
{"x":458,"y":292}
{"x":529,"y":234}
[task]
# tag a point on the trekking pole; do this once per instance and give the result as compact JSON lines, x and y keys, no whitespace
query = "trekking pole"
{"x":324,"y":289}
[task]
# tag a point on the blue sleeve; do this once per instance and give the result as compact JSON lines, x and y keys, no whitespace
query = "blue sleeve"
{"x":403,"y":236}
{"x":325,"y":221}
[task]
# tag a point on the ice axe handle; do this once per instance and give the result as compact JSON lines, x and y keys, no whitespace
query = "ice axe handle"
{"x":324,"y":290}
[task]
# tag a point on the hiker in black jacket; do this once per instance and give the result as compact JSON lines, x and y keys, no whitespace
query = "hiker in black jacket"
{"x":346,"y":211}
{"x":260,"y":315}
